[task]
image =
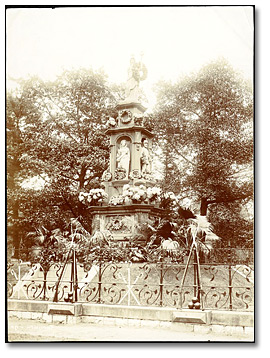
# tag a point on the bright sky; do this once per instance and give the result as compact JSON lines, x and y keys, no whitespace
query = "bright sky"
{"x":174,"y":40}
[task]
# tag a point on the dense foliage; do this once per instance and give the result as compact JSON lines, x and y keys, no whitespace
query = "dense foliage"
{"x":55,"y":140}
{"x":55,"y":135}
{"x":204,"y":125}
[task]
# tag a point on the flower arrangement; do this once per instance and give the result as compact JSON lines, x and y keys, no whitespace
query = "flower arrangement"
{"x":136,"y":194}
{"x":94,"y":197}
{"x":138,"y":119}
{"x":111,"y":122}
{"x":153,"y":193}
{"x":116,"y":200}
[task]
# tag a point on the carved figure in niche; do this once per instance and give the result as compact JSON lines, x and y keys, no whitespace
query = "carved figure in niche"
{"x":137,"y":72}
{"x":145,"y":158}
{"x":123,"y":157}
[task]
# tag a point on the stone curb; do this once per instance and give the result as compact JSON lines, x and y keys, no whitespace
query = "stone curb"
{"x":168,"y":318}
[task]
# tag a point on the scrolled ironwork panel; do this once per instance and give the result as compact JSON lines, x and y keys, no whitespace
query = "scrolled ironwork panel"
{"x":113,"y":293}
{"x":243,"y":298}
{"x":242,"y":275}
{"x":171,"y":296}
{"x":215,"y":297}
{"x":88,"y":292}
{"x":147,"y":295}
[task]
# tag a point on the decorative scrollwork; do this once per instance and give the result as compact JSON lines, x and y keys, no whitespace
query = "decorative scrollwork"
{"x":172,"y":296}
{"x":243,"y":273}
{"x":113,"y":293}
{"x":243,"y":297}
{"x":216,"y":297}
{"x":212,"y":270}
{"x":147,"y":295}
{"x":111,"y":271}
{"x":157,"y":284}
{"x":88,"y":292}
{"x":34,"y":290}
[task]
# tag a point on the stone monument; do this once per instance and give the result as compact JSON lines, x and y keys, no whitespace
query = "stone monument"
{"x":129,"y":178}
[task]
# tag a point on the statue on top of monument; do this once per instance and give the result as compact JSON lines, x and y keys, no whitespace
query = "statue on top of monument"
{"x":137,"y":72}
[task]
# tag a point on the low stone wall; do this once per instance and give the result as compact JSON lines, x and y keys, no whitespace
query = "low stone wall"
{"x":183,"y":320}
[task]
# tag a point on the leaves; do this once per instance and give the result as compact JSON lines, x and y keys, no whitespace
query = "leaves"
{"x":55,"y":132}
{"x":204,"y":127}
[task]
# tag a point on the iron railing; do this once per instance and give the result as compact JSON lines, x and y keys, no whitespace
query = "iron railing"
{"x":224,"y":281}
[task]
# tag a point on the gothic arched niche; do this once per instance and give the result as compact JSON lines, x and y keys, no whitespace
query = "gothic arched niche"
{"x":123,"y":157}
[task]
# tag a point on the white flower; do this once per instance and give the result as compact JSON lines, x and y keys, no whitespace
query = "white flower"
{"x":136,"y":196}
{"x":126,"y":200}
{"x":156,"y":190}
{"x":126,"y":187}
{"x":125,"y":192}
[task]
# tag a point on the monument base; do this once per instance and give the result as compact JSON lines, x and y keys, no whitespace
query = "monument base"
{"x":123,"y":221}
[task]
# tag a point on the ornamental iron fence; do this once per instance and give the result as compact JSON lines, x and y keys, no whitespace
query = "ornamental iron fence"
{"x":222,"y":280}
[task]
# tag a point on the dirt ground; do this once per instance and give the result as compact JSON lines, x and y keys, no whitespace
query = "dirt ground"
{"x":22,"y":330}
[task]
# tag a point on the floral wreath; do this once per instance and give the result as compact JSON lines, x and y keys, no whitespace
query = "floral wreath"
{"x":135,"y":174}
{"x":115,"y":224}
{"x":119,"y":173}
{"x":125,"y":119}
{"x":107,"y":176}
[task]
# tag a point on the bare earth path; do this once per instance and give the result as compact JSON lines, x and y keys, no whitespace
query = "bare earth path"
{"x":35,"y":331}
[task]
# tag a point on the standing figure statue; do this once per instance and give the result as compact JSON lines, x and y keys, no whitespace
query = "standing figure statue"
{"x":123,"y":157}
{"x":145,"y":158}
{"x":137,"y":72}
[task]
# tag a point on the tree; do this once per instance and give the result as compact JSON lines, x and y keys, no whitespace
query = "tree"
{"x":17,"y":109}
{"x":62,"y":142}
{"x":205,"y":127}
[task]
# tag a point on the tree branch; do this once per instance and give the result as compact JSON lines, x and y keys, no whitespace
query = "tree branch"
{"x":220,"y":200}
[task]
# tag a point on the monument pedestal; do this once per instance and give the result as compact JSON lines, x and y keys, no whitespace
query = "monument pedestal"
{"x":123,"y":220}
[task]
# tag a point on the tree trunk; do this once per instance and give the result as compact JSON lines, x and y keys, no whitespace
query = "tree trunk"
{"x":204,"y":206}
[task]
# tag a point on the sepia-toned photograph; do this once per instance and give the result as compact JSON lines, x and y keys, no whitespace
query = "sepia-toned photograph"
{"x":130,"y":174}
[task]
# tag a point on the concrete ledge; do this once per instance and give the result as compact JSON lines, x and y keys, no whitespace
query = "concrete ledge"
{"x":27,"y":306}
{"x":192,"y":316}
{"x":229,"y":318}
{"x":49,"y":311}
{"x":74,"y":309}
{"x":134,"y":312}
